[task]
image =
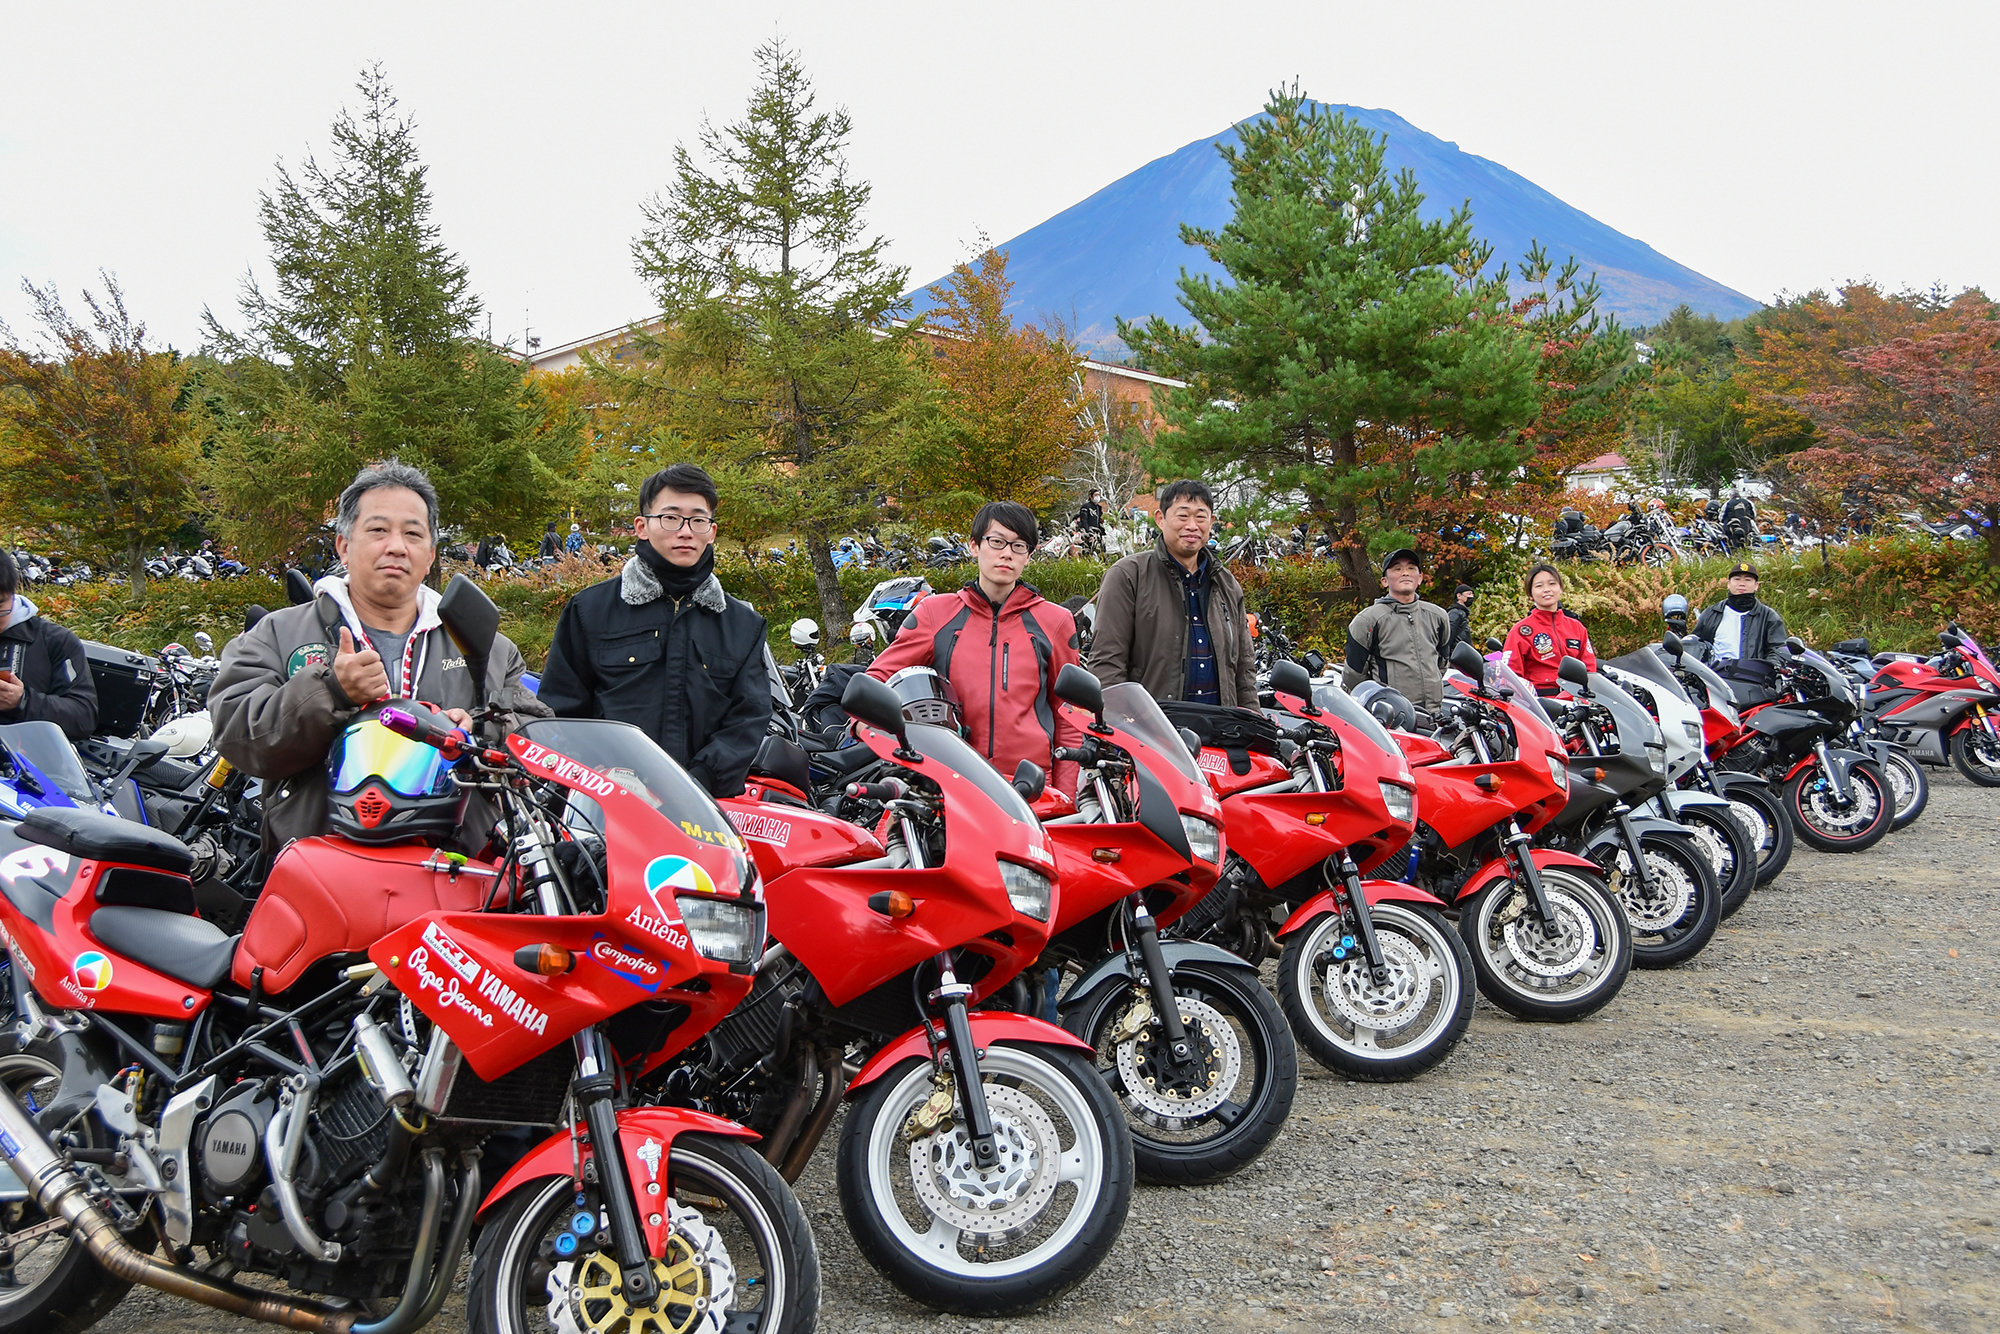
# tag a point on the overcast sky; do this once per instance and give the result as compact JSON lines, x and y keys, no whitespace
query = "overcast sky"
{"x":1773,"y":147}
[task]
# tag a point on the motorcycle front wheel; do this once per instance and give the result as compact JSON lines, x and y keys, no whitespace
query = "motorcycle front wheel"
{"x":999,"y":1240}
{"x":1193,"y":1127}
{"x":1909,"y":787}
{"x":1393,"y":1030}
{"x":1674,"y":912}
{"x":1725,"y":835}
{"x":741,"y":1255}
{"x":1761,"y":809}
{"x":1824,"y":822}
{"x":1976,"y":754}
{"x":1535,"y":972}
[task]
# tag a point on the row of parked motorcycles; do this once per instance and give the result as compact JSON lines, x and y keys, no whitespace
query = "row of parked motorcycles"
{"x":599,"y":1045}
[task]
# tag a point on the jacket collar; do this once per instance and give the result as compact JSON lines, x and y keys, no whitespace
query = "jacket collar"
{"x":1204,"y":560}
{"x":973,"y":596}
{"x":24,"y":611}
{"x":637,"y":586}
{"x":427,"y":606}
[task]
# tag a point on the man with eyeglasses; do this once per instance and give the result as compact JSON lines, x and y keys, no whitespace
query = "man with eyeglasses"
{"x":1172,"y":618}
{"x":663,"y":647}
{"x":1000,"y":644}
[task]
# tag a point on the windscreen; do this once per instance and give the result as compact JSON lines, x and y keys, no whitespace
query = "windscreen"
{"x":43,"y":745}
{"x":1500,"y":676}
{"x":1128,"y":707}
{"x":628,"y":757}
{"x":1329,"y":696}
{"x":1646,"y":664}
{"x":1636,"y":727}
{"x":1835,"y":681}
{"x":935,"y":743}
{"x":1720,"y":697}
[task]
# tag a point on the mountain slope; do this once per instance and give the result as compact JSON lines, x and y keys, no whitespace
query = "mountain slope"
{"x":1119,"y":251}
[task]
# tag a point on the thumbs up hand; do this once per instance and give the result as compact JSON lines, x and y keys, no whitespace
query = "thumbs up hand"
{"x":360,"y":675}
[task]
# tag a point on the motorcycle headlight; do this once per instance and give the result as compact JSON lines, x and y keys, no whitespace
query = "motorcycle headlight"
{"x":729,"y":930}
{"x":1693,"y":731}
{"x":1559,"y":770}
{"x":1401,"y":801}
{"x":1204,"y":839}
{"x":1028,"y":890}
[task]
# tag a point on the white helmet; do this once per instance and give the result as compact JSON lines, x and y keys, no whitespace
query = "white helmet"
{"x":805,"y":632}
{"x":862,"y":631}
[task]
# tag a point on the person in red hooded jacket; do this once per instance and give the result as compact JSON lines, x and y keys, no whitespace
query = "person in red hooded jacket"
{"x":1548,"y":634}
{"x":1000,"y":644}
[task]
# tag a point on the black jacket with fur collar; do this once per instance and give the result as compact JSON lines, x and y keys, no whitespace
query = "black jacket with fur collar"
{"x":687,"y":672}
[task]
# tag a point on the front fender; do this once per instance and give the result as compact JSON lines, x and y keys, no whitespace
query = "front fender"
{"x":988,"y":1027}
{"x":1678,"y":801}
{"x":638,"y":1127}
{"x":1374,"y":891}
{"x":1498,"y":869}
{"x":1115,"y":968}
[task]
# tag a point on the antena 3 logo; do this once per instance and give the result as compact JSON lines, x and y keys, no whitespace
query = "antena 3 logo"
{"x":567,"y":769}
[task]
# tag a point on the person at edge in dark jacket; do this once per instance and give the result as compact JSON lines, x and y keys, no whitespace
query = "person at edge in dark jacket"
{"x":1173,"y":618}
{"x":1000,"y":644}
{"x":1459,"y":614}
{"x":1744,"y":637}
{"x":663,"y":647}
{"x":1547,"y":634}
{"x":44,"y":676}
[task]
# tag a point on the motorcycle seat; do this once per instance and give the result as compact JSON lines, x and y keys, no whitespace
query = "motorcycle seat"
{"x":105,"y":838}
{"x":185,"y":948}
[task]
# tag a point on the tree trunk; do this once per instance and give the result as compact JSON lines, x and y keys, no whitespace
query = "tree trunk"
{"x":826,"y":578}
{"x":135,"y":574}
{"x":1352,"y":549}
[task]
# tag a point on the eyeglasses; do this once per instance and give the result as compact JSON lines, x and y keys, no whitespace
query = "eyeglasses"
{"x":694,"y":523}
{"x":997,"y":544}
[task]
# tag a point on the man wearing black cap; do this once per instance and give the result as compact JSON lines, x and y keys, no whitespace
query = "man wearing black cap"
{"x":1743,"y":635}
{"x":1399,"y":639}
{"x":1461,"y":615}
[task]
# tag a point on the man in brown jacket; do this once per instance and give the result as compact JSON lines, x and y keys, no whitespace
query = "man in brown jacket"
{"x":289,"y":686}
{"x":1172,"y":618}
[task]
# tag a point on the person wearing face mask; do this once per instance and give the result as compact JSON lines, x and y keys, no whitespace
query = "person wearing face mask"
{"x":1401,"y":640}
{"x":1000,"y":644}
{"x":1744,"y":636}
{"x":663,"y":647}
{"x":1173,"y":618}
{"x":44,"y":675}
{"x":1548,"y":634}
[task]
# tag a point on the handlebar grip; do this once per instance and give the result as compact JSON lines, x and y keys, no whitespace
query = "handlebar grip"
{"x":452,"y":741}
{"x":1073,"y":754}
{"x":886,"y":790}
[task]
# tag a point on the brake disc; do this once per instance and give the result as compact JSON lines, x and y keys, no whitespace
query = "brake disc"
{"x":697,"y":1286}
{"x":1143,"y":1063}
{"x":1557,"y":954}
{"x":1000,"y":1201}
{"x":1661,"y":900}
{"x":1352,"y":990}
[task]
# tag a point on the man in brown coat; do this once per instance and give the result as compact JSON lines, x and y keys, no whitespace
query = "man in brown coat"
{"x":1172,"y":618}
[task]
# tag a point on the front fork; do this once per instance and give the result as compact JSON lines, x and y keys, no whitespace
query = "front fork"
{"x":1349,"y":876}
{"x":1834,"y":778}
{"x":949,"y":1001}
{"x":1143,"y":937}
{"x":1640,"y":872}
{"x":595,"y":1089}
{"x":1520,"y":847}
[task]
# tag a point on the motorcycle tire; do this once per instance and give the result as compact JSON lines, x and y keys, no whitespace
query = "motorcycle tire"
{"x":748,"y":1225}
{"x":1909,"y":785}
{"x":1019,"y":1263}
{"x":1419,"y":1015}
{"x":1976,"y":755}
{"x":1761,"y":809}
{"x":1656,"y":555}
{"x":1545,"y":990}
{"x":59,"y":1286}
{"x":1675,"y":915}
{"x":1379,"y":1033}
{"x":1818,"y":819}
{"x":1188,"y":1138}
{"x":1732,"y":851}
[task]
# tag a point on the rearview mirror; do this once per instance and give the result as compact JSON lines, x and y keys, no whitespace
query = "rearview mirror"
{"x":1493,"y":644}
{"x":1029,"y":780}
{"x":1191,"y":741}
{"x":1076,"y":686}
{"x":203,"y":644}
{"x":1572,"y":672}
{"x":873,"y":703}
{"x":1796,"y":645}
{"x":1288,"y":677}
{"x":1951,"y":641}
{"x":472,"y":621}
{"x":298,"y":586}
{"x":1466,"y":659}
{"x":1671,"y":642}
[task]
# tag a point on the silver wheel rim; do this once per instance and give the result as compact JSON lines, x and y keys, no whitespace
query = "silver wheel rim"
{"x":1074,"y":1165}
{"x":1752,"y":819}
{"x":1590,"y":970}
{"x":1826,"y":814}
{"x":1653,"y":909}
{"x":1381,"y":1024}
{"x":40,"y":1244}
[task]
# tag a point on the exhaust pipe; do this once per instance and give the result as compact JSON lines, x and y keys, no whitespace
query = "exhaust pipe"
{"x":61,"y":1194}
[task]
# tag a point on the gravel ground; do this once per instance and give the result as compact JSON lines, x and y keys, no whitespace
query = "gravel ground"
{"x":1793,"y":1131}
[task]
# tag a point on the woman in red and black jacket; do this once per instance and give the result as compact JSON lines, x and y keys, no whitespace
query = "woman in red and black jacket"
{"x":1537,"y":646}
{"x":1000,"y":644}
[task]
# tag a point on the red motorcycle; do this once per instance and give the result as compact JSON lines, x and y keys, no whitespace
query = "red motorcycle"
{"x":1374,"y":981}
{"x":1549,"y":939}
{"x":1185,"y":1033}
{"x":310,"y":1102}
{"x":1943,"y":707}
{"x":985,"y":1195}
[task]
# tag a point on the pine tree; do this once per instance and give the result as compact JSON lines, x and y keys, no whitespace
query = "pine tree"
{"x":1358,"y":355}
{"x":780,"y":365}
